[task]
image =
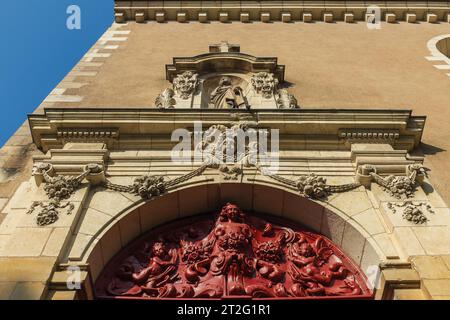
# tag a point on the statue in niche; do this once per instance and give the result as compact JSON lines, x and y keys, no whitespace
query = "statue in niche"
{"x":227,"y":95}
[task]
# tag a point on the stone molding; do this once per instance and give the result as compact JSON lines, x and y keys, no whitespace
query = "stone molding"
{"x":305,"y":126}
{"x":266,"y":11}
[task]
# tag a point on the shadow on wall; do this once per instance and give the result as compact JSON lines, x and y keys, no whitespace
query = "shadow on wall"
{"x":428,"y":149}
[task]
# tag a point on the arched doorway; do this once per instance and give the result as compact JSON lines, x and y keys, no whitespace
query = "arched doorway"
{"x":231,"y":253}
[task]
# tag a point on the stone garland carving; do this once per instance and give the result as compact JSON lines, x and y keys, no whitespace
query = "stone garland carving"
{"x":213,"y":148}
{"x":231,"y":255}
{"x":151,"y":186}
{"x":412,"y":212}
{"x":400,"y":187}
{"x":49,"y":213}
{"x":311,"y":186}
{"x":165,"y":100}
{"x":185,"y":84}
{"x":264,"y":83}
{"x":286,"y":100}
{"x":57,"y":188}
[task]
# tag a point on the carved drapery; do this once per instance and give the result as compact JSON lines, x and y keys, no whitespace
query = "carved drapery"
{"x":231,"y":254}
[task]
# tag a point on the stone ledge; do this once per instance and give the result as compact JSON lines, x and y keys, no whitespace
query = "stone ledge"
{"x":271,"y":9}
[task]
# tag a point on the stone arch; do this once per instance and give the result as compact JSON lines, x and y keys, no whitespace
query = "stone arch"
{"x":320,"y":217}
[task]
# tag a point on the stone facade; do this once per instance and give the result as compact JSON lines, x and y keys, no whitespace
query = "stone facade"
{"x":92,"y":177}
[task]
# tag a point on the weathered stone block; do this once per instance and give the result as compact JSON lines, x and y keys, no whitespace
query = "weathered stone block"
{"x":411,"y":17}
{"x":160,"y":17}
{"x":139,"y":17}
{"x":181,"y":16}
{"x":119,"y":17}
{"x":431,"y":18}
{"x":431,"y":267}
{"x":437,"y":287}
{"x":349,"y":17}
{"x":203,"y":17}
{"x":28,"y":291}
{"x":265,"y":17}
{"x":245,"y":17}
{"x":307,"y":17}
{"x":223,"y":16}
{"x":390,"y":17}
{"x":286,"y":16}
{"x":26,"y":269}
{"x":328,"y":17}
{"x":27,"y":242}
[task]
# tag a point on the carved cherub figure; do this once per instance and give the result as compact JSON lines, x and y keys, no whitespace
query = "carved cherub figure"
{"x":161,"y":268}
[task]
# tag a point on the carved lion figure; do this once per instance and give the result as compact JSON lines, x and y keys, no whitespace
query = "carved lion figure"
{"x":185,"y":84}
{"x":265,"y":84}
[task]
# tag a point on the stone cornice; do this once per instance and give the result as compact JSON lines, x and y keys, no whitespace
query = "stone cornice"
{"x":286,"y":11}
{"x":300,"y":129}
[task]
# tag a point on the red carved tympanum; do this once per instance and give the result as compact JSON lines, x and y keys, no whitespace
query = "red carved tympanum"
{"x":231,"y":255}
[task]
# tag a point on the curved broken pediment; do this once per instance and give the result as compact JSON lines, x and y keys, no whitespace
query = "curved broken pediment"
{"x":225,"y":78}
{"x":223,"y":59}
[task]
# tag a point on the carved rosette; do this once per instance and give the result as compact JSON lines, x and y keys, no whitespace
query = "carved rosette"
{"x":232,"y":254}
{"x":264,"y":83}
{"x":149,"y":186}
{"x":185,"y":84}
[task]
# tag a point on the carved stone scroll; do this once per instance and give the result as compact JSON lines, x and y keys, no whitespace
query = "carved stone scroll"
{"x":231,"y":254}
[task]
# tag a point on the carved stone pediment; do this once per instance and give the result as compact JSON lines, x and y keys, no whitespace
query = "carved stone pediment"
{"x":224,"y":61}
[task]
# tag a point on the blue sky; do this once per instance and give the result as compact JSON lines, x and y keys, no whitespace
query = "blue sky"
{"x":38,"y":50}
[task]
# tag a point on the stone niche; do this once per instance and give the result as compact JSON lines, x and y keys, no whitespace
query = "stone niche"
{"x":225,"y":78}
